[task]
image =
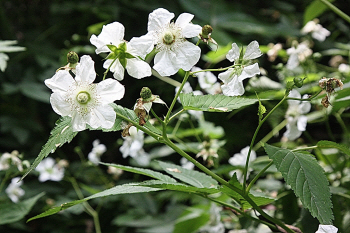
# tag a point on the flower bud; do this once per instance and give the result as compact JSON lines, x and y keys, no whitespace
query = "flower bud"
{"x":72,"y":57}
{"x":206,"y":31}
{"x":298,"y":82}
{"x":146,"y":93}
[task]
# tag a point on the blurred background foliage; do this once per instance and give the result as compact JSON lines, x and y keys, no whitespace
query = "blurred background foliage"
{"x":50,"y":28}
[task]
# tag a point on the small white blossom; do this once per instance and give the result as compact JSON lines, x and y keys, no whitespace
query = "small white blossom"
{"x":295,"y":115}
{"x":207,"y":81}
{"x":298,"y":54}
{"x":49,"y":170}
{"x":85,"y":102}
{"x":6,"y":159}
{"x":133,"y":147}
{"x":317,"y":31}
{"x":233,"y":77}
{"x":240,"y":160}
{"x":327,"y":229}
{"x":6,"y":46}
{"x":169,"y":38}
{"x":96,"y":152}
{"x":14,"y":192}
{"x":344,"y":68}
{"x":113,"y":34}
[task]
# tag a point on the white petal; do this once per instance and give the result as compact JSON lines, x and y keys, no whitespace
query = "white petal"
{"x":59,"y":104}
{"x":233,"y":88}
{"x":293,"y":61}
{"x":85,"y":70}
{"x":252,"y":51}
{"x":327,"y":229}
{"x":233,"y":54}
{"x":184,"y":19}
{"x":3,"y":61}
{"x":305,"y":106}
{"x":302,"y":122}
{"x":142,"y":45}
{"x":292,"y":132}
{"x":226,"y":76}
{"x":189,"y":30}
{"x":158,"y":18}
{"x":116,"y":68}
{"x":112,"y":33}
{"x":78,"y":122}
{"x":294,"y":94}
{"x":249,"y":71}
{"x":102,"y":116}
{"x":60,"y":82}
{"x":138,"y":68}
{"x":110,"y":90}
{"x":165,"y":63}
{"x":187,"y":55}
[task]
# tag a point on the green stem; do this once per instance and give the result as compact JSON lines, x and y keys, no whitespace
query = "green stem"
{"x":86,"y":205}
{"x":109,"y":67}
{"x":258,"y":176}
{"x":176,"y":114}
{"x":336,"y":10}
{"x":166,"y":120}
{"x":270,"y":134}
{"x":254,"y":137}
{"x":221,"y":69}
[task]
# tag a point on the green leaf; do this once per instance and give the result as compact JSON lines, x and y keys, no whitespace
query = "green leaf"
{"x":120,"y":189}
{"x":315,"y":9}
{"x":192,"y":219}
{"x":175,"y":186}
{"x":143,"y":171}
{"x":259,"y":200}
{"x":16,"y":211}
{"x":62,"y":133}
{"x":194,"y":178}
{"x":214,"y":103}
{"x":307,"y":179}
{"x":330,"y":144}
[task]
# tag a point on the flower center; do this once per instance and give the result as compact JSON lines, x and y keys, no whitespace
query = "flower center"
{"x":168,"y":38}
{"x":83,"y":97}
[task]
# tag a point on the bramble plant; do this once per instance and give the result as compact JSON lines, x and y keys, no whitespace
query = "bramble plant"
{"x":244,"y":187}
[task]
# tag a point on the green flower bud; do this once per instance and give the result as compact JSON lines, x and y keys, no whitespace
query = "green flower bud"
{"x":72,"y":58}
{"x":289,"y":87}
{"x":146,"y":93}
{"x":298,"y":81}
{"x":206,"y":30}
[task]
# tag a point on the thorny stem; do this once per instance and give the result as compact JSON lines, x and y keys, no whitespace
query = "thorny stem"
{"x":89,"y":209}
{"x":336,"y":10}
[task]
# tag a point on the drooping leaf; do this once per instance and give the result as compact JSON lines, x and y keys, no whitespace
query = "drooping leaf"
{"x":13,"y":212}
{"x":259,"y":200}
{"x":330,"y":144}
{"x":194,"y":178}
{"x":175,"y":186}
{"x":143,"y":171}
{"x":120,"y":189}
{"x":307,"y":179}
{"x":214,"y":103}
{"x":62,"y":133}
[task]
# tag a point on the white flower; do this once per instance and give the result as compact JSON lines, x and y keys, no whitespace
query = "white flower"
{"x":317,"y":31}
{"x":113,"y":34}
{"x":240,"y":160}
{"x":207,"y":81}
{"x":327,"y":229}
{"x":6,"y":46}
{"x":295,"y":115}
{"x":96,"y":152}
{"x":298,"y":54}
{"x":174,"y":51}
{"x":49,"y":170}
{"x":14,"y":192}
{"x":133,"y":147}
{"x":84,"y":101}
{"x":188,"y":89}
{"x":233,"y":77}
{"x":6,"y":159}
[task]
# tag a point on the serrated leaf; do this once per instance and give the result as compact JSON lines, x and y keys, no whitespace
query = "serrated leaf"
{"x":194,"y":178}
{"x":214,"y":103}
{"x":143,"y":171}
{"x":307,"y":179}
{"x":62,"y":133}
{"x":259,"y":200}
{"x":120,"y":189}
{"x":16,"y":211}
{"x":175,"y":186}
{"x":330,"y":144}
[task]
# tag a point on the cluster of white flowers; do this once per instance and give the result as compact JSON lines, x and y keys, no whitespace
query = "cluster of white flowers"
{"x":50,"y":170}
{"x":297,"y":54}
{"x":97,"y":150}
{"x":317,"y":31}
{"x":295,"y":115}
